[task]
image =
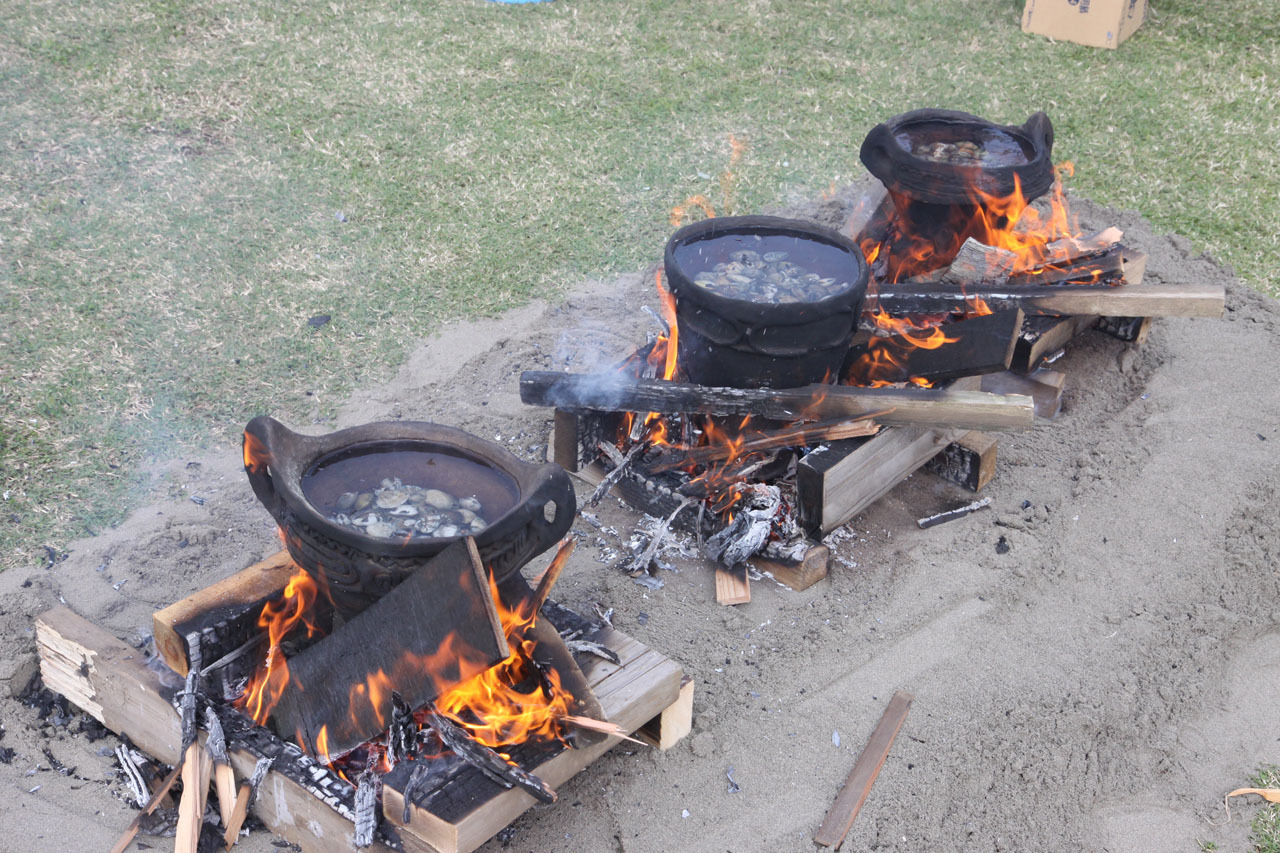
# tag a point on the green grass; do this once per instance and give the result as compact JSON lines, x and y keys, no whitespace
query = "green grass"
{"x":170,"y":176}
{"x":1265,"y":828}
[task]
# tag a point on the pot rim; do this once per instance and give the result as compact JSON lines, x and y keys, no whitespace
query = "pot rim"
{"x":782,"y":314}
{"x":286,"y":477}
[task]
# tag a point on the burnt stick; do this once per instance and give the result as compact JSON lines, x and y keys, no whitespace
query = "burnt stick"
{"x":1125,"y":300}
{"x":911,"y":406}
{"x":486,"y":760}
{"x":678,"y":457}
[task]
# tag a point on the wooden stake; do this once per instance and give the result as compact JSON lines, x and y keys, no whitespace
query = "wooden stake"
{"x":238,"y":813}
{"x":839,"y":819}
{"x":552,"y":574}
{"x":197,"y":766}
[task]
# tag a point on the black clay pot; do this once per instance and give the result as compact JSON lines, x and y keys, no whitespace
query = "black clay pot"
{"x":528,"y":507}
{"x":743,"y":343}
{"x":1017,"y":153}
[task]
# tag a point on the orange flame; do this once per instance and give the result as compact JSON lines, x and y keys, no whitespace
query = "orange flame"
{"x":294,"y":611}
{"x":1004,"y":222}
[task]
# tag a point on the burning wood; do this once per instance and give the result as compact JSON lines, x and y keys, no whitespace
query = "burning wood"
{"x":336,"y":693}
{"x":484,"y":759}
{"x":979,"y":262}
{"x":1124,"y":300}
{"x":970,"y":347}
{"x":552,"y":574}
{"x":910,"y":406}
{"x":749,"y":530}
{"x":620,"y":465}
{"x":673,"y":457}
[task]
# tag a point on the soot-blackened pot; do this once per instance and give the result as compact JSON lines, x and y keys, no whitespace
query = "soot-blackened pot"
{"x":887,"y":152}
{"x":530,"y":507}
{"x":741,"y":343}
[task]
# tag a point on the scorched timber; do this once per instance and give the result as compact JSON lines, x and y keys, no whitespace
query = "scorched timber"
{"x":448,"y":595}
{"x":975,"y":346}
{"x":1125,"y":300}
{"x":910,"y":406}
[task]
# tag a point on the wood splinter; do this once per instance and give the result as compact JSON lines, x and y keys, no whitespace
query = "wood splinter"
{"x":952,"y":514}
{"x":839,"y":819}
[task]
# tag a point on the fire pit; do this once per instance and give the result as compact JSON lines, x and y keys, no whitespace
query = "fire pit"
{"x":364,"y":507}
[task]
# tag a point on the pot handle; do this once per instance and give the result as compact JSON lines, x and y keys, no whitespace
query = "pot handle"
{"x":259,"y":436}
{"x":1039,"y":130}
{"x":877,"y":151}
{"x":555,"y":497}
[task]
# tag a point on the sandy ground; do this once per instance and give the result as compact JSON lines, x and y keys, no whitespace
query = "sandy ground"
{"x":1099,"y":686}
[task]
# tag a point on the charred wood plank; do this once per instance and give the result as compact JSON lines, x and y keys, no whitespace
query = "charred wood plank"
{"x":1041,"y":337}
{"x":225,"y":614}
{"x":448,"y":595}
{"x":1036,"y":298}
{"x":1128,"y":329}
{"x":973,"y":347}
{"x":488,"y":762}
{"x":969,"y":461}
{"x":910,"y":406}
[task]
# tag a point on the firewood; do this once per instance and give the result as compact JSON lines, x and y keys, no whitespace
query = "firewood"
{"x":552,"y":574}
{"x":968,"y":461}
{"x":732,"y":585}
{"x":1069,"y":249}
{"x":952,"y":514}
{"x":1041,"y":337}
{"x":197,"y":767}
{"x":238,"y":813}
{"x":367,"y":787}
{"x":449,"y":594}
{"x":224,"y":779}
{"x":620,"y":467}
{"x":796,"y":436}
{"x":747,"y":533}
{"x":978,"y":262}
{"x":484,"y":759}
{"x":1043,"y":386}
{"x":975,"y":346}
{"x":839,"y":819}
{"x":915,"y":406}
{"x":1124,"y":300}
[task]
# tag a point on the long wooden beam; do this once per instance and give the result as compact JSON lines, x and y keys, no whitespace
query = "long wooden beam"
{"x":910,"y":406}
{"x":1125,"y":300}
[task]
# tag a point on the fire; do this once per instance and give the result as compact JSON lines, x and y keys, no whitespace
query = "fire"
{"x":493,"y":707}
{"x":507,"y":704}
{"x":280,"y":619}
{"x":1009,"y":223}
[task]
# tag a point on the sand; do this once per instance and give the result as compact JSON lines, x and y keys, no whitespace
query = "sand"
{"x":1099,"y":686}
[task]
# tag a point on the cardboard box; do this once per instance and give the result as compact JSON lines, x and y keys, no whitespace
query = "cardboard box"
{"x":1097,"y":23}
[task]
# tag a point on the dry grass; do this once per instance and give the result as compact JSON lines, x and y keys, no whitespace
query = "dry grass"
{"x":170,"y":176}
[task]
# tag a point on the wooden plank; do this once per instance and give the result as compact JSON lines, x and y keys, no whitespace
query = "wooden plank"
{"x":835,"y":826}
{"x":216,"y":610}
{"x":910,"y":406}
{"x":732,"y":586}
{"x":110,"y":681}
{"x":802,"y":575}
{"x":1125,"y":300}
{"x":448,"y":596}
{"x":630,"y":697}
{"x":969,"y":461}
{"x":674,"y":723}
{"x":1043,"y":386}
